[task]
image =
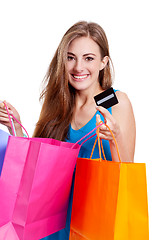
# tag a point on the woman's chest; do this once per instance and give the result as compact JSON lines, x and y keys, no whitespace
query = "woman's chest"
{"x":81,"y":117}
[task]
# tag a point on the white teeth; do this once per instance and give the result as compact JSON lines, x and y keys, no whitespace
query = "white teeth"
{"x":80,"y":77}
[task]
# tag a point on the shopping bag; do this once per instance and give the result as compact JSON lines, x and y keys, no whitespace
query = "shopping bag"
{"x":35,"y":186}
{"x":110,"y":200}
{"x":3,"y":144}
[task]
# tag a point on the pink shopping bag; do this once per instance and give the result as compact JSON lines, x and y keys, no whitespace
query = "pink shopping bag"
{"x":35,"y":186}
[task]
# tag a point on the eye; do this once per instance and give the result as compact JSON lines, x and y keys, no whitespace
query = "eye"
{"x":89,"y":58}
{"x":70,"y":58}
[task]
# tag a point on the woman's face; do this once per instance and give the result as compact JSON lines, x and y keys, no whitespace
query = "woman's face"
{"x":84,"y":62}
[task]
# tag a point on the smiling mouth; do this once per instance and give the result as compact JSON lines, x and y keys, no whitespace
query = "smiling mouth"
{"x":80,"y":77}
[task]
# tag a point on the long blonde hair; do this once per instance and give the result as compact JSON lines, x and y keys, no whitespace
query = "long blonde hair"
{"x":58,"y":94}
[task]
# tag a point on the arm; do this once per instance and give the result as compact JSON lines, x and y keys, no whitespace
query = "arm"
{"x":5,"y":120}
{"x":122,"y":124}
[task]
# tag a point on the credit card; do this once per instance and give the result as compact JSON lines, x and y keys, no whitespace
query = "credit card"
{"x":106,"y":99}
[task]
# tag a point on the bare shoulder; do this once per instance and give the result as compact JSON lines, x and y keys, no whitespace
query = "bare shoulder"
{"x":124,"y":102}
{"x":123,"y":99}
{"x":123,"y":110}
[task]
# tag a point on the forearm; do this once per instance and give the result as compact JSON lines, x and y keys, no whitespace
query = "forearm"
{"x":122,"y":125}
{"x":6,"y":110}
{"x":19,"y":132}
{"x":126,"y":154}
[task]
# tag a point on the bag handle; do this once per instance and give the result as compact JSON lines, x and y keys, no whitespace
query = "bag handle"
{"x":88,"y":135}
{"x":11,"y":122}
{"x":100,"y":145}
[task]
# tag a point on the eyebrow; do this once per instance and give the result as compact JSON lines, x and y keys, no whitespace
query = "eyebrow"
{"x":86,"y":54}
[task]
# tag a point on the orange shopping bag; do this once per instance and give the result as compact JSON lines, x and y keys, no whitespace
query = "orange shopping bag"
{"x":110,"y":200}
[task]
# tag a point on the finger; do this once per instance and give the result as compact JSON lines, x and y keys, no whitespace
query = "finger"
{"x":9,"y":106}
{"x":105,"y":136}
{"x":3,"y":114}
{"x":98,"y":119}
{"x":103,"y":127}
{"x":2,"y":119}
{"x":3,"y":108}
{"x":2,"y":105}
{"x":106,"y":114}
{"x":104,"y":130}
{"x":5,"y":111}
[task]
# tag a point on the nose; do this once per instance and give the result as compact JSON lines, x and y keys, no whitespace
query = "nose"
{"x":78,"y":67}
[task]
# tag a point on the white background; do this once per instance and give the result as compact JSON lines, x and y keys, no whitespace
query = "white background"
{"x":30,"y":32}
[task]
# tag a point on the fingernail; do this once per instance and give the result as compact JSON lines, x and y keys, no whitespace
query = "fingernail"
{"x":2,"y":104}
{"x":98,"y":116}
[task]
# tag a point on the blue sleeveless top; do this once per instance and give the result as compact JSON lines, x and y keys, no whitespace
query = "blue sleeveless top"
{"x":85,"y":152}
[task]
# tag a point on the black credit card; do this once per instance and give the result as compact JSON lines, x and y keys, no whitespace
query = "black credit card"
{"x":106,"y":99}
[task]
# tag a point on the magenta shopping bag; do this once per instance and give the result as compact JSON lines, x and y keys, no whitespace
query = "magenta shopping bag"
{"x":35,"y":185}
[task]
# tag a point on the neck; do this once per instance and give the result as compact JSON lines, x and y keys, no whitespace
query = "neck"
{"x":86,"y":97}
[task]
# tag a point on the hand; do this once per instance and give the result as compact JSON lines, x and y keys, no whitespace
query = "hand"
{"x":122,"y":124}
{"x":5,"y":120}
{"x":104,"y":132}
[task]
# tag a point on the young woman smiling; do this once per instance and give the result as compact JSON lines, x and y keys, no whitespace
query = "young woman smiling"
{"x":80,"y":69}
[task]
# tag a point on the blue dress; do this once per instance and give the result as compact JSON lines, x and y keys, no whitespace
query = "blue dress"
{"x":85,"y":152}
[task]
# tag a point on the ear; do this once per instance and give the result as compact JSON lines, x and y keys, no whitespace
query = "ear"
{"x":104,"y":62}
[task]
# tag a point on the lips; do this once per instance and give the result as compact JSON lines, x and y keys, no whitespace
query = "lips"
{"x":79,"y":77}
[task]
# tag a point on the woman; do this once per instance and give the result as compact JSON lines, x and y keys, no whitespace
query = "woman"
{"x":81,"y":68}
